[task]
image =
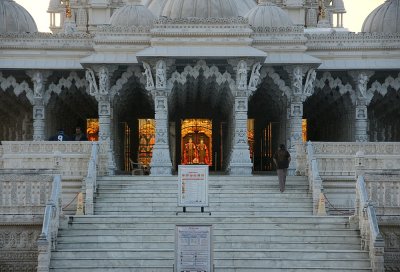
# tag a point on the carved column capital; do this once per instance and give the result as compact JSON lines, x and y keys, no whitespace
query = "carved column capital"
{"x":300,"y":91}
{"x":360,"y":80}
{"x":39,"y":79}
{"x":100,"y":86}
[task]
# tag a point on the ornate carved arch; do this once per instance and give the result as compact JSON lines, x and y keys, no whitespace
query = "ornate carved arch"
{"x":382,"y":88}
{"x":65,"y":83}
{"x":130,"y":72}
{"x":276,"y":78}
{"x":194,"y":71}
{"x":18,"y":88}
{"x":335,"y":83}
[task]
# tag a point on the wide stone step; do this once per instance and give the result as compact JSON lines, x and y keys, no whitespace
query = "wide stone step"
{"x":288,"y":261}
{"x":267,"y":236}
{"x":218,"y":254}
{"x":217,"y":245}
{"x":266,"y":232}
{"x":240,"y":263}
{"x":212,"y":199}
{"x":200,"y":218}
{"x":217,"y":268}
{"x":245,"y":191}
{"x":216,"y":213}
{"x":286,"y":269}
{"x":214,"y":208}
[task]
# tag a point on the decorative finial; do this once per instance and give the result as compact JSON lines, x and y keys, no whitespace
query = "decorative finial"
{"x":68,"y":12}
{"x":322,"y":10}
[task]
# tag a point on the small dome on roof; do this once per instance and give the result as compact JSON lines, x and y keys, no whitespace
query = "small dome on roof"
{"x":175,"y":9}
{"x":384,"y":19}
{"x":54,"y":6}
{"x":157,"y":6}
{"x":267,"y":14}
{"x":15,"y":18}
{"x":338,"y":6}
{"x":133,"y":13}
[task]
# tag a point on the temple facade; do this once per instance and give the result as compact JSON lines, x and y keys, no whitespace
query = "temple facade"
{"x":222,"y":83}
{"x":257,"y":74}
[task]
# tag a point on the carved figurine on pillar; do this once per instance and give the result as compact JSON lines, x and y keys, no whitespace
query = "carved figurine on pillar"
{"x":38,"y":102}
{"x":362,"y":100}
{"x":103,"y":95}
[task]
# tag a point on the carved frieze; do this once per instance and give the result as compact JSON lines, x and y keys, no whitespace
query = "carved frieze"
{"x":42,"y":40}
{"x":18,"y":248}
{"x":353,"y":41}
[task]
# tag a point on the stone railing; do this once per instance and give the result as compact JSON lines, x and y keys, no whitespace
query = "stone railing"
{"x":314,"y":179}
{"x":90,"y":182}
{"x":371,"y":239}
{"x":337,"y":159}
{"x":69,"y":159}
{"x":23,"y":194}
{"x":384,"y":190}
{"x":48,"y":237}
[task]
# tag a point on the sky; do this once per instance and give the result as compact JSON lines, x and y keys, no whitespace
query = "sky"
{"x":357,"y":11}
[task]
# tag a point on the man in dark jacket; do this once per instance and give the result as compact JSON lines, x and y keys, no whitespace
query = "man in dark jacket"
{"x":60,"y":136}
{"x":282,"y":160}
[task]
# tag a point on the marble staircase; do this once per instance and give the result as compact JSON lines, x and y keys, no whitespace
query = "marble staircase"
{"x":254,"y":228}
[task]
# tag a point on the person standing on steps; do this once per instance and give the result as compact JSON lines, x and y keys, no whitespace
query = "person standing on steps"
{"x":282,"y":160}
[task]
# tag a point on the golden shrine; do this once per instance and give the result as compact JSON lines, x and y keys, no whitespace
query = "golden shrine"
{"x":196,"y":141}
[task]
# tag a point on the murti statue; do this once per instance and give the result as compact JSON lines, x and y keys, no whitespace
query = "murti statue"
{"x":190,"y":153}
{"x":203,"y":153}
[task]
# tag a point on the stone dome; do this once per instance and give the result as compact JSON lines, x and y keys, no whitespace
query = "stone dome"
{"x":54,"y":6}
{"x":267,"y":14}
{"x":14,"y":18}
{"x":200,"y":8}
{"x":338,"y":6}
{"x":384,"y":19}
{"x":133,"y":13}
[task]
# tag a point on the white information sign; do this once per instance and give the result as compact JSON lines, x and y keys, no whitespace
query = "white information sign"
{"x":193,"y":185}
{"x":193,"y":249}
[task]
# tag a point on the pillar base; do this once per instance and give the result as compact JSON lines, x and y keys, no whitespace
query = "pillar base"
{"x":157,"y":171}
{"x":241,"y":169}
{"x":240,"y":164}
{"x":161,"y":163}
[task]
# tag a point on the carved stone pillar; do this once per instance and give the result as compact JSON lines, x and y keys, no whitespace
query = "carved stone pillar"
{"x":104,"y":97}
{"x":39,"y":79}
{"x":361,"y":79}
{"x":240,"y":163}
{"x":161,"y":164}
{"x":298,"y":95}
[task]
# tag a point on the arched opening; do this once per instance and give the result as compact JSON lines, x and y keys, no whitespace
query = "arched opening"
{"x":330,"y":115}
{"x":201,"y":118}
{"x":267,"y":124}
{"x":134,"y":125}
{"x":384,"y":117}
{"x":15,"y":113}
{"x":69,"y":107}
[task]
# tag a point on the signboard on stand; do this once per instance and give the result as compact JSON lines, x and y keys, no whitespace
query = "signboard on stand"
{"x":193,"y":185}
{"x":193,"y":249}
